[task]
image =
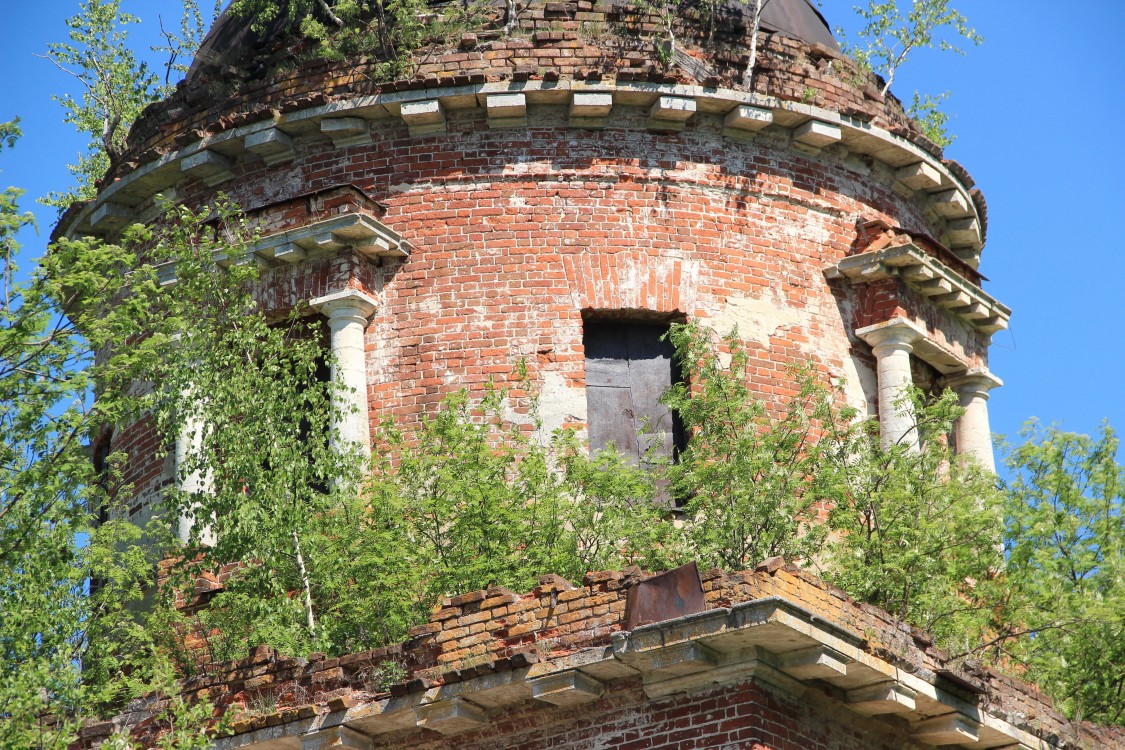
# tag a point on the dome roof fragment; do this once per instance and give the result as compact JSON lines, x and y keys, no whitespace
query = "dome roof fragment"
{"x":231,"y":38}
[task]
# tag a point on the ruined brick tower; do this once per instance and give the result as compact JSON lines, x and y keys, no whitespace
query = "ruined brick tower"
{"x":559,"y":191}
{"x":558,"y":186}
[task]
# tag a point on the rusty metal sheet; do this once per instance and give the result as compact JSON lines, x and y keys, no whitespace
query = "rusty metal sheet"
{"x":665,"y":596}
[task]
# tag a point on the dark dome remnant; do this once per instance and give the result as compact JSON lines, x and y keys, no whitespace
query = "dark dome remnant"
{"x":231,"y":39}
{"x":798,"y":19}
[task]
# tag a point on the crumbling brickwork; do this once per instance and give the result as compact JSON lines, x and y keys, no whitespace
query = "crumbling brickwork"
{"x":496,"y":632}
{"x":523,"y":225}
{"x":514,"y":188}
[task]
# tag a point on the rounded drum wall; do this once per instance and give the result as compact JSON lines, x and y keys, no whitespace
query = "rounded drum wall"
{"x":519,"y":232}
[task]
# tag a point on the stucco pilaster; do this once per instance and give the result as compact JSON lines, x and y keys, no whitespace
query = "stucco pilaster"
{"x":347,"y":312}
{"x":892,"y":342}
{"x":974,"y":437}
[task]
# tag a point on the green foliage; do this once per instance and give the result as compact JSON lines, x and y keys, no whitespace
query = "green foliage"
{"x":69,"y":632}
{"x":470,"y":500}
{"x":475,"y":495}
{"x":906,"y":530}
{"x":181,"y":44}
{"x":271,"y":477}
{"x":10,"y":133}
{"x":752,"y":480}
{"x":116,"y":85}
{"x":491,"y":503}
{"x":889,"y":37}
{"x":390,"y":30}
{"x":263,"y":13}
{"x":919,"y":529}
{"x":181,"y":722}
{"x":926,"y":113}
{"x":1066,"y":568}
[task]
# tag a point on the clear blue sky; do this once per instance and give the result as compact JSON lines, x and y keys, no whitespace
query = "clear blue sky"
{"x":1038,"y":109}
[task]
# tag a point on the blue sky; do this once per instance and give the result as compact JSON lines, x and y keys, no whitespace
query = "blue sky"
{"x":1038,"y":109}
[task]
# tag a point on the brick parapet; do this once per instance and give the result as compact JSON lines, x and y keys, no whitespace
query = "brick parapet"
{"x":495,"y":630}
{"x":787,"y":69}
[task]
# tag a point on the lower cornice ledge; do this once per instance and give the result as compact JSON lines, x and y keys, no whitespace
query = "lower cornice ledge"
{"x":769,"y":641}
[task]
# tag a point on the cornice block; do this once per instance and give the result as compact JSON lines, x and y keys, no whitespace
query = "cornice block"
{"x":424,"y":117}
{"x":212,"y":168}
{"x":273,"y":146}
{"x":920,"y":176}
{"x":817,"y":134}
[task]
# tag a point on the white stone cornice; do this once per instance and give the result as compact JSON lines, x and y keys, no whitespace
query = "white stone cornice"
{"x":357,"y":231}
{"x":360,"y":231}
{"x":768,"y":640}
{"x":423,"y":111}
{"x":931,"y":278}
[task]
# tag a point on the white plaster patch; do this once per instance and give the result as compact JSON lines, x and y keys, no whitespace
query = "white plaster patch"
{"x":560,"y":403}
{"x":860,"y":386}
{"x":806,"y":231}
{"x":430,"y":305}
{"x":759,"y":318}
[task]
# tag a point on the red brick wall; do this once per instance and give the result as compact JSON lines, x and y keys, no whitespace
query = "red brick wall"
{"x":495,"y":630}
{"x":519,"y":232}
{"x":747,"y":716}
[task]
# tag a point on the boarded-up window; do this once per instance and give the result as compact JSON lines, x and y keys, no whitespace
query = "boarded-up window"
{"x":628,"y":369}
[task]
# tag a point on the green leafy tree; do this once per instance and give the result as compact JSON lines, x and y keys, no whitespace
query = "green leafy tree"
{"x":492,"y":503}
{"x":752,"y":481}
{"x":912,"y":531}
{"x":116,"y":85}
{"x":890,"y":37}
{"x":180,"y":44}
{"x":1065,"y":615}
{"x":273,"y":477}
{"x":466,"y":500}
{"x":67,"y":583}
{"x":918,"y":529}
{"x":926,"y":112}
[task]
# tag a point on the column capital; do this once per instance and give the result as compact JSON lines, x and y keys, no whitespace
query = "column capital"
{"x":894,"y":333}
{"x":976,"y":382}
{"x":345,"y":302}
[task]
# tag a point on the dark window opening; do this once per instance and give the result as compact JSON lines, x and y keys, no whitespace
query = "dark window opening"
{"x":930,"y":382}
{"x":629,"y":366}
{"x":100,"y":453}
{"x":315,"y":328}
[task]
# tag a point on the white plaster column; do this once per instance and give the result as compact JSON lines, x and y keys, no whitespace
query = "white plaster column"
{"x":347,"y":313}
{"x":188,"y":443}
{"x":974,"y":438}
{"x":892,"y":342}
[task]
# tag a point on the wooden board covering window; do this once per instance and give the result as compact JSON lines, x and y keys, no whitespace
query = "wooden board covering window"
{"x":628,"y":369}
